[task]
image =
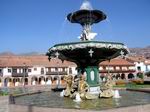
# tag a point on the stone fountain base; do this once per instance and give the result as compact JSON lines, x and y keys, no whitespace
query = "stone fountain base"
{"x":94,"y":90}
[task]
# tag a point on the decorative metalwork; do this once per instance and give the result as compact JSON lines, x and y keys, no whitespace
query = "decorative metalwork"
{"x":91,"y":52}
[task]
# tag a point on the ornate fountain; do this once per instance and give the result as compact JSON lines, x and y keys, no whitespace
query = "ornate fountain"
{"x":87,"y":53}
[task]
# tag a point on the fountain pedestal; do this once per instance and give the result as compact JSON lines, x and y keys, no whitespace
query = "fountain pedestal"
{"x":92,"y":75}
{"x":92,"y":78}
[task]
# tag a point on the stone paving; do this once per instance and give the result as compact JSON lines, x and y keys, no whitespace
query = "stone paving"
{"x":3,"y":103}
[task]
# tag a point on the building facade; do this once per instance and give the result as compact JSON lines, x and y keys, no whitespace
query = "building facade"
{"x":38,"y":70}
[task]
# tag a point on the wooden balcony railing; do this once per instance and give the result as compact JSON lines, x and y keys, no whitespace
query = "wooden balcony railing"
{"x":56,"y":73}
{"x":117,"y":71}
{"x":19,"y":74}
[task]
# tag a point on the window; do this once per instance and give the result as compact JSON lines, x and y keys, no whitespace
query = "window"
{"x":25,"y":70}
{"x":14,"y":70}
{"x":131,"y":68}
{"x":9,"y":70}
{"x":56,"y":69}
{"x":60,"y":69}
{"x":70,"y":71}
{"x":139,"y":68}
{"x":29,"y":70}
{"x":42,"y":70}
{"x":35,"y":69}
{"x":20,"y":70}
{"x":117,"y":68}
{"x":109,"y":68}
{"x":124,"y":68}
{"x":53,"y":69}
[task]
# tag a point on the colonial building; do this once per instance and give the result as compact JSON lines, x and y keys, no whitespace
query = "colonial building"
{"x":37,"y":70}
{"x":139,"y":62}
{"x":32,"y":70}
{"x":119,"y":68}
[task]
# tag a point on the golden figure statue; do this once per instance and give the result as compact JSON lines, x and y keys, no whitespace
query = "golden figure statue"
{"x":83,"y":89}
{"x":69,"y":81}
{"x":107,"y":88}
{"x":79,"y":85}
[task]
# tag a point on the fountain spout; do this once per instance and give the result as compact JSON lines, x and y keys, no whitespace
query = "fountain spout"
{"x":116,"y":94}
{"x":77,"y":98}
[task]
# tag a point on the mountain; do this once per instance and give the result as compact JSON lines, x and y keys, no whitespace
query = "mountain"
{"x":32,"y":54}
{"x":7,"y":53}
{"x":133,"y":52}
{"x":22,"y":54}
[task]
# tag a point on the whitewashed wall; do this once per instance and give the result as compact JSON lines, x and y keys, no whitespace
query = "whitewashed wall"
{"x":6,"y":73}
{"x":36,"y":72}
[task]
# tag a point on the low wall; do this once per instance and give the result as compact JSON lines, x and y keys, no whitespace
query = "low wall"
{"x":28,"y":89}
{"x":21,"y":108}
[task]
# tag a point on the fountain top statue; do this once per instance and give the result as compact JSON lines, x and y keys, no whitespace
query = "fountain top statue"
{"x":86,"y":5}
{"x":86,"y":16}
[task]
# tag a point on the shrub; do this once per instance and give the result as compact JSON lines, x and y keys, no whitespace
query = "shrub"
{"x":137,"y":81}
{"x":120,"y":82}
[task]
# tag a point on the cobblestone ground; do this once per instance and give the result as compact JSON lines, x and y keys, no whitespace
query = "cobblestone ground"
{"x":3,"y":104}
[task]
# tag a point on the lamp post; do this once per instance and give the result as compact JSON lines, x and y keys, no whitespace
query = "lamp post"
{"x":24,"y":73}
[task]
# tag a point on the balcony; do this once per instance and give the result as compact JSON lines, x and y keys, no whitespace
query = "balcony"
{"x":117,"y":71}
{"x":19,"y":74}
{"x":56,"y":73}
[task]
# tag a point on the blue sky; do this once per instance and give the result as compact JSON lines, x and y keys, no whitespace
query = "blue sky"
{"x":36,"y":25}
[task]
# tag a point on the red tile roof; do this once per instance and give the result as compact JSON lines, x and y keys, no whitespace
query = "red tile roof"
{"x":20,"y":61}
{"x":116,"y":62}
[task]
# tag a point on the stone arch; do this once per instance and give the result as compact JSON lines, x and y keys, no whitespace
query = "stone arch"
{"x":123,"y":76}
{"x":8,"y":82}
{"x":24,"y":81}
{"x":42,"y":80}
{"x":34,"y":80}
{"x":16,"y":81}
{"x":48,"y":80}
{"x":130,"y":76}
{"x":140,"y":75}
{"x":56,"y":80}
{"x":118,"y":76}
{"x":62,"y":80}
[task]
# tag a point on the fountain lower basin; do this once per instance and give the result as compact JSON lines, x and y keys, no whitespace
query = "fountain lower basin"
{"x":53,"y":100}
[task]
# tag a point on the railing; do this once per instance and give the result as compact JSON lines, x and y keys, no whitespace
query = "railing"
{"x":56,"y":73}
{"x":117,"y":71}
{"x":19,"y":74}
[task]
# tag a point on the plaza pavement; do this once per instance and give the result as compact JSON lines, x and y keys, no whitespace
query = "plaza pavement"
{"x":3,"y":103}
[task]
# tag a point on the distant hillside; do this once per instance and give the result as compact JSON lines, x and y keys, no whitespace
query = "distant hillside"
{"x":7,"y":54}
{"x":32,"y":54}
{"x":141,"y":51}
{"x":134,"y":51}
{"x":22,"y":54}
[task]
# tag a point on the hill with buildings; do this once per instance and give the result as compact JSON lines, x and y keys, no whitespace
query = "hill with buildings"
{"x":141,"y":52}
{"x":133,"y":52}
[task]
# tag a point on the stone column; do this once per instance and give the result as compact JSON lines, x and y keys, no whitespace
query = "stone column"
{"x":29,"y":80}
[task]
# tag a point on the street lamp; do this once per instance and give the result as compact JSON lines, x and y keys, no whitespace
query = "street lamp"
{"x":24,"y":73}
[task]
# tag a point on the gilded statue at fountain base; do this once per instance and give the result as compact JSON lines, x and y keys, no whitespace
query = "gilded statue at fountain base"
{"x":107,"y":89}
{"x":79,"y":85}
